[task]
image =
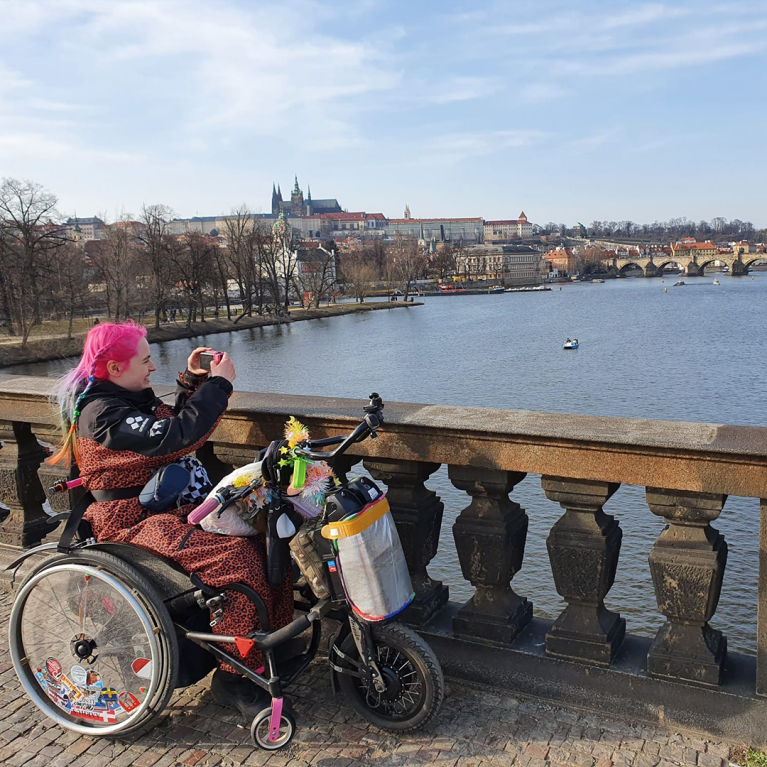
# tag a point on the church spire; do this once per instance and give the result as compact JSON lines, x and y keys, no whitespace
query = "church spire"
{"x":407,"y":211}
{"x":296,"y":189}
{"x":308,"y":193}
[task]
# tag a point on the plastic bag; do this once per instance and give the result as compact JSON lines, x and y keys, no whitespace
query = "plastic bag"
{"x":230,"y":522}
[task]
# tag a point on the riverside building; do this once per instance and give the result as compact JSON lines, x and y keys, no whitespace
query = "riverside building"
{"x":514,"y":265}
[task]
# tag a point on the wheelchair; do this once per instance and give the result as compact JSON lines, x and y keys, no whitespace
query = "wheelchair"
{"x":101,"y":634}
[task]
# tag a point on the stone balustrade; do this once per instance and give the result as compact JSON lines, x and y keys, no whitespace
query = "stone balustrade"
{"x":688,"y":470}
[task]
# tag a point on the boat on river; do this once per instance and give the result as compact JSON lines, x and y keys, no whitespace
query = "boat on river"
{"x":677,"y":284}
{"x":495,"y":289}
{"x":599,"y":282}
{"x":571,"y":344}
{"x":529,"y":289}
{"x":715,"y":282}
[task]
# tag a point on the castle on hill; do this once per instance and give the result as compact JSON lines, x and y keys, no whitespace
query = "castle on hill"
{"x":298,"y":206}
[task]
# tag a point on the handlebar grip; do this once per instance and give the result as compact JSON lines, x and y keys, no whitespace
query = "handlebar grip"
{"x":208,"y":506}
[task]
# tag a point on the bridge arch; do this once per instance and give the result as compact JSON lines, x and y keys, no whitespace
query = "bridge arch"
{"x":670,"y":262}
{"x":751,"y":261}
{"x":630,"y":265}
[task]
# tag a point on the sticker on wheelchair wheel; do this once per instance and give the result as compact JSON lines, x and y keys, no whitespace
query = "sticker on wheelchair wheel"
{"x":142,"y":668}
{"x":53,"y":667}
{"x":79,"y":675}
{"x":127,"y":701}
{"x":82,"y":694}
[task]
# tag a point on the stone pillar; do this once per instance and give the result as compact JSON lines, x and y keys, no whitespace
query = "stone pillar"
{"x":761,"y":621}
{"x":20,"y":487}
{"x":687,"y":564}
{"x":584,"y":545}
{"x":490,"y":539}
{"x":418,"y":514}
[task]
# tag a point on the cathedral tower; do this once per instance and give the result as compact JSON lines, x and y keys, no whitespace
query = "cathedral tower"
{"x":297,"y":200}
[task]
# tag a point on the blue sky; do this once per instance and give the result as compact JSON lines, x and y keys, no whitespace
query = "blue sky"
{"x":569,"y":110}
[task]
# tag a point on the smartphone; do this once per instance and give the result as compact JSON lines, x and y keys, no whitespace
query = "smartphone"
{"x":207,"y":357}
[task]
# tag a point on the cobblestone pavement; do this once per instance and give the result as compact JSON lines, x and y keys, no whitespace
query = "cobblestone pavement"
{"x":476,"y":728}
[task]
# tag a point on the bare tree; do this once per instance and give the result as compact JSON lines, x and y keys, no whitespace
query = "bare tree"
{"x":192,"y":257}
{"x":280,"y":257}
{"x":358,"y":274}
{"x":407,"y":260}
{"x":70,"y":287}
{"x":157,"y":245}
{"x":29,"y":237}
{"x":116,"y":262}
{"x":315,"y":274}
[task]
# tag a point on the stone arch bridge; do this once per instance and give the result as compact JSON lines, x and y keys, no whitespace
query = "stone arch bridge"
{"x":652,"y":266}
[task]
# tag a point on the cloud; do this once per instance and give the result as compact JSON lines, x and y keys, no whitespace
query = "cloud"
{"x":35,"y":145}
{"x":455,"y":147}
{"x":533,"y":93}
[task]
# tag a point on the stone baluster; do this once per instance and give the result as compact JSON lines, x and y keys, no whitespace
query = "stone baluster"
{"x":584,"y":545}
{"x":417,"y":512}
{"x":687,"y":564}
{"x":490,"y":537}
{"x":20,"y":487}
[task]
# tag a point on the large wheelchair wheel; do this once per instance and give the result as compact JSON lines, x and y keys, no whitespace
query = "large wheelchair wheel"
{"x":93,"y":645}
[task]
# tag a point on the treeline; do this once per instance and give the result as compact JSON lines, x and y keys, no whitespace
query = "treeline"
{"x":673,"y":229}
{"x":140,"y":267}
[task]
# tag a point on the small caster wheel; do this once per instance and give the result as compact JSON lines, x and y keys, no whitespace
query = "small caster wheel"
{"x":259,"y":730}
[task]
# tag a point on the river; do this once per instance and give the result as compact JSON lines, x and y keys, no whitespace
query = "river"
{"x":690,"y":353}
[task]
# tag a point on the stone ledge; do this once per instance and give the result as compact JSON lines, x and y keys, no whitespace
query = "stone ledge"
{"x":732,"y":712}
{"x":697,"y":457}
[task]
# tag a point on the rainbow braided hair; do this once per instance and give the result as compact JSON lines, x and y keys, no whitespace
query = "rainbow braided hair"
{"x":104,"y":343}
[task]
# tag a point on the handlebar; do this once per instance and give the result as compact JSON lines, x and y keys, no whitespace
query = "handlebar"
{"x":309,"y":449}
{"x":364,"y":430}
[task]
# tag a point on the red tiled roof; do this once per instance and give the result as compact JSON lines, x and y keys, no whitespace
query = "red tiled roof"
{"x":419,"y":220}
{"x":688,"y":245}
{"x":513,"y":221}
{"x":345,"y":216}
{"x":377,"y":216}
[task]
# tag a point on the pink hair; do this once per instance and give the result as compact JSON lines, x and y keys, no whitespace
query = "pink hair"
{"x":106,"y":342}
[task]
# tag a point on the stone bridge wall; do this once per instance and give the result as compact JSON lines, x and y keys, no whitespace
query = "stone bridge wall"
{"x":693,"y":265}
{"x":585,"y":658}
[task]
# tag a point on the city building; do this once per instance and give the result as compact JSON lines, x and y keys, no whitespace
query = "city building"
{"x":82,"y":230}
{"x":739,"y":248}
{"x":563,"y":261}
{"x":511,"y":229}
{"x":514,"y":265}
{"x":690,"y":248}
{"x":470,"y":231}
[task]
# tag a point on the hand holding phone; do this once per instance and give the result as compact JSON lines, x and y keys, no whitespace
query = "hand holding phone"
{"x":207,"y":357}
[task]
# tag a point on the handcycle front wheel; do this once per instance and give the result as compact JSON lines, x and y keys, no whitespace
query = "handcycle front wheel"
{"x":93,"y":645}
{"x":411,"y":672}
{"x":259,"y":730}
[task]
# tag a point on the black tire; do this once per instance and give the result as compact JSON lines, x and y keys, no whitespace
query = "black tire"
{"x":420,"y":662}
{"x":153,"y":610}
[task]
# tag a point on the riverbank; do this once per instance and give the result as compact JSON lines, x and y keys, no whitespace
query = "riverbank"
{"x":55,"y":347}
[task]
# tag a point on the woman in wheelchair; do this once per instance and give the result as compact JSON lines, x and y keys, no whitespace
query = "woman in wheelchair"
{"x":119,"y":434}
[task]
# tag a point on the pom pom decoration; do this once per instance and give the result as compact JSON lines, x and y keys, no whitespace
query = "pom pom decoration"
{"x":295,"y":432}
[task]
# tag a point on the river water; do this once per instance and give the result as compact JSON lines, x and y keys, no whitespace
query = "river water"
{"x":691,"y":353}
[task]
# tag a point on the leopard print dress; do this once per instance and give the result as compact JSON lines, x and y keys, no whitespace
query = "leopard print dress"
{"x":123,"y":437}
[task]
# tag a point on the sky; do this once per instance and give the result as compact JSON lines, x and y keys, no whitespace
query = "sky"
{"x":570,"y":110}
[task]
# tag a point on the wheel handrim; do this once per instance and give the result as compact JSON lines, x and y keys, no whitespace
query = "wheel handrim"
{"x":84,"y":649}
{"x":405,"y":689}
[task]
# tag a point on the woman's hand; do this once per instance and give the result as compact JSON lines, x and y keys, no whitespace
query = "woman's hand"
{"x":193,"y":363}
{"x":224,"y":368}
